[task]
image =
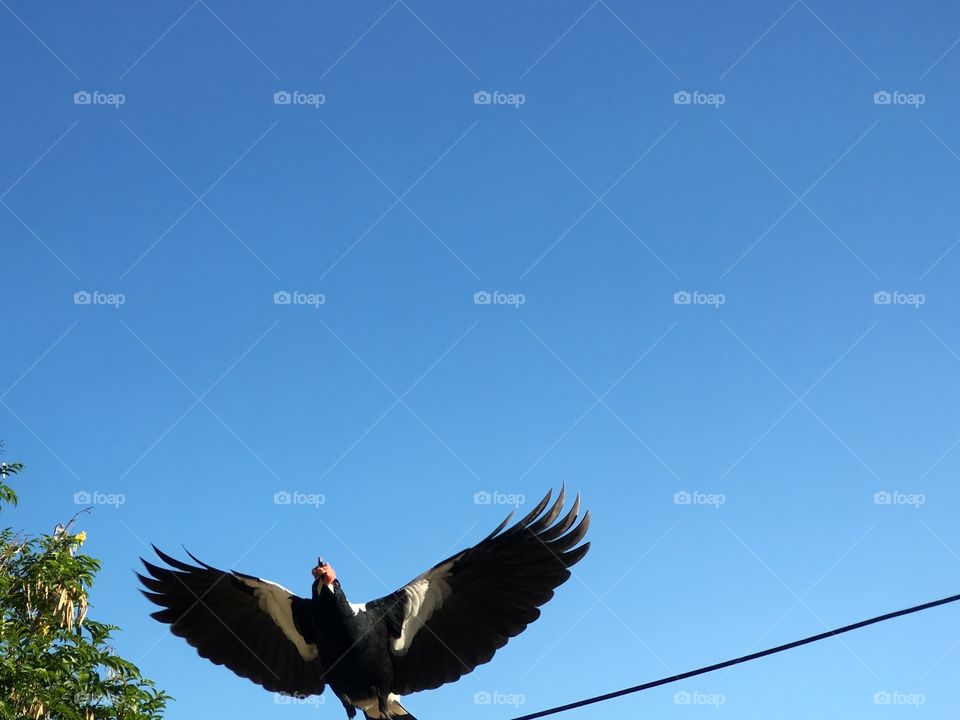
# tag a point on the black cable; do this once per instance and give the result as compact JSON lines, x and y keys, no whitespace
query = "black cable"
{"x":737,"y":661}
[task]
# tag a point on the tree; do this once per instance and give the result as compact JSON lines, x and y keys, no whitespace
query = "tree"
{"x":55,"y":662}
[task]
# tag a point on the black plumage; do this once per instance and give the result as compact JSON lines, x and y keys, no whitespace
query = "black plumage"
{"x":433,"y":630}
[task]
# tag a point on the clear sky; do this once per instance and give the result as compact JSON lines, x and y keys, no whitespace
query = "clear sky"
{"x":682,"y":214}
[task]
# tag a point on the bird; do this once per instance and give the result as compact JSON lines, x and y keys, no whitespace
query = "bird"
{"x":438,"y":627}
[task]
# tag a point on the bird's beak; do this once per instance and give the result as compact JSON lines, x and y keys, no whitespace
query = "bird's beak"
{"x":325,"y":573}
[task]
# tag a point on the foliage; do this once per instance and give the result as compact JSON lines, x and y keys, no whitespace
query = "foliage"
{"x":55,"y":662}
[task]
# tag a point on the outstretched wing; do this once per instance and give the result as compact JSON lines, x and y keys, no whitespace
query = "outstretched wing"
{"x":256,"y":628}
{"x":459,"y":613}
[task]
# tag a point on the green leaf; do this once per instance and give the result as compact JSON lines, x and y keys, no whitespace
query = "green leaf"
{"x":67,"y":672}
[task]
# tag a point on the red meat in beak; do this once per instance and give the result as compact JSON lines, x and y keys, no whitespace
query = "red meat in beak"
{"x":324,"y":571}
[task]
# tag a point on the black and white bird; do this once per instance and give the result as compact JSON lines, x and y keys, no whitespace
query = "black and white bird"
{"x":433,"y":630}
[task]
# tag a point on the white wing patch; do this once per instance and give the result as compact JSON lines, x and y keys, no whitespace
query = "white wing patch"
{"x":371,"y":706}
{"x":424,"y":597}
{"x":275,"y":600}
{"x":358,"y":608}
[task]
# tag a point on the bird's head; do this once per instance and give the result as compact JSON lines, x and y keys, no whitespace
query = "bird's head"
{"x":324,"y":573}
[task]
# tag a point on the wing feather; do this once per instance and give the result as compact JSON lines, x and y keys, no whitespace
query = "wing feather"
{"x":455,"y":616}
{"x":258,"y":629}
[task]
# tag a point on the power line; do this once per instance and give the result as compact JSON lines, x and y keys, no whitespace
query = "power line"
{"x":737,"y":661}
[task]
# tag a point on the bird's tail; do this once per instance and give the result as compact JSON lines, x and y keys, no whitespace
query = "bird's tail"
{"x":396,"y":710}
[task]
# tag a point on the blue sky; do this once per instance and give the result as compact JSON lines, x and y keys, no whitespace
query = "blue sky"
{"x":720,"y":247}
